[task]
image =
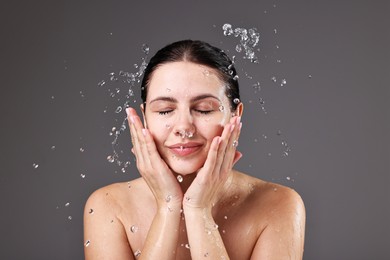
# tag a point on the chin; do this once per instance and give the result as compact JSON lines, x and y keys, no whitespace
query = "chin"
{"x":183,"y":167}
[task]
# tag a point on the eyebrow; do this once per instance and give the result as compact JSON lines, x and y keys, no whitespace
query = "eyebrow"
{"x":174,"y":100}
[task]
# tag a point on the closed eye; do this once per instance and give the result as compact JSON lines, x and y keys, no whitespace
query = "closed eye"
{"x":205,"y":112}
{"x":164,"y":112}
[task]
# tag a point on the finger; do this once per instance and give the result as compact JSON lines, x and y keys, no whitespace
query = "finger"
{"x":225,"y":136}
{"x":155,"y":158}
{"x":211,"y":159}
{"x":230,"y":153}
{"x":132,"y":115}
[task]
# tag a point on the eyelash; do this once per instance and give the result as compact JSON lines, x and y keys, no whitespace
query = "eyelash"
{"x":204,"y":112}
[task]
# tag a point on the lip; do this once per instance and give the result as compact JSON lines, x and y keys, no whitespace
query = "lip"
{"x":185,"y":149}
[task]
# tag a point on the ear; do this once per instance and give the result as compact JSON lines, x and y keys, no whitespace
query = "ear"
{"x":142,"y":107}
{"x":240,"y":109}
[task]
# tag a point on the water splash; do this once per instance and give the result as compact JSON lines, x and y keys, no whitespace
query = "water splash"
{"x":249,"y":38}
{"x":128,"y":81}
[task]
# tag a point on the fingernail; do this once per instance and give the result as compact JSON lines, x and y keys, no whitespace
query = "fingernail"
{"x":238,"y":120}
{"x":128,"y":111}
{"x":232,"y":128}
{"x":132,"y":119}
{"x":240,"y":125}
{"x":144,"y":131}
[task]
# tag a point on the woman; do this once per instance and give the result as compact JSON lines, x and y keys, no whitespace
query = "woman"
{"x":189,"y":202}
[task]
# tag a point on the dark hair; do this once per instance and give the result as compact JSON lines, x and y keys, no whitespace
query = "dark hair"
{"x":198,"y":52}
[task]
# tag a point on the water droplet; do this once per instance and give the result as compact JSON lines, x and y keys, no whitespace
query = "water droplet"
{"x":188,"y":199}
{"x":35,"y":165}
{"x":87,"y":243}
{"x":82,"y":176}
{"x":168,"y":198}
{"x":236,"y":101}
{"x":137,"y":253}
{"x":67,"y":204}
{"x":101,"y":83}
{"x":288,"y":178}
{"x":225,"y":217}
{"x":221,"y":108}
{"x":90,"y":211}
{"x":53,"y":148}
{"x":168,"y":90}
{"x":110,"y":158}
{"x":283,"y":82}
{"x":215,"y":226}
{"x":275,"y":189}
{"x":235,"y":77}
{"x":168,"y":126}
{"x":310,"y":76}
{"x":179,"y":178}
{"x":189,"y":134}
{"x":238,"y":48}
{"x":187,"y":246}
{"x":275,"y":31}
{"x":133,"y":229}
{"x":227,"y":29}
{"x":279,"y":133}
{"x":145,"y":48}
{"x":273,"y":79}
{"x":118,"y":109}
{"x":70,"y":217}
{"x":206,"y":254}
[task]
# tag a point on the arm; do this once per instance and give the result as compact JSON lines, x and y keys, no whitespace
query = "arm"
{"x":203,"y":234}
{"x":283,"y":238}
{"x":104,"y":235}
{"x":162,"y":238}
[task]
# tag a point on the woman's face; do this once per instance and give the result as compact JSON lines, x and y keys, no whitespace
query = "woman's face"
{"x":186,"y":107}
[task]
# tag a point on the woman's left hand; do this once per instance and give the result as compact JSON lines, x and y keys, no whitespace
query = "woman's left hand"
{"x":213,"y":175}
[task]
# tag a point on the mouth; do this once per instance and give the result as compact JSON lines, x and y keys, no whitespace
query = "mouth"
{"x":185,"y":149}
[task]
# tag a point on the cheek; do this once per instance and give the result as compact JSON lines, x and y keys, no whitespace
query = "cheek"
{"x":209,"y":129}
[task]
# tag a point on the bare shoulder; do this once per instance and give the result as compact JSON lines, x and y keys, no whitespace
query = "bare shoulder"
{"x":279,"y":213}
{"x":107,"y":213}
{"x":113,"y":198}
{"x":270,"y":196}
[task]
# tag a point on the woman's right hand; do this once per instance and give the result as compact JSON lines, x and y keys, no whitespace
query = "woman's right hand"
{"x":152,"y":167}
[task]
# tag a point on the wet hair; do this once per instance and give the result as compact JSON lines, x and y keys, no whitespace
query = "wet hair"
{"x":201,"y":53}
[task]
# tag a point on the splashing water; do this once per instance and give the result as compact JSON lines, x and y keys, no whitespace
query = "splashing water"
{"x":130,"y":81}
{"x":249,"y":38}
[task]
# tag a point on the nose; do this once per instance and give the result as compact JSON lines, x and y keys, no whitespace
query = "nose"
{"x":184,"y":126}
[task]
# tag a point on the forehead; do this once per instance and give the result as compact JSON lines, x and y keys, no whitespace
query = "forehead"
{"x":184,"y":78}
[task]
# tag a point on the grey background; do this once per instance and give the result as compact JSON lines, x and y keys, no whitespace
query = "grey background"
{"x":333,"y":112}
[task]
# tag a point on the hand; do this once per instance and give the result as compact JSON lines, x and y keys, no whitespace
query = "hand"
{"x":151,"y":166}
{"x":213,"y":175}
